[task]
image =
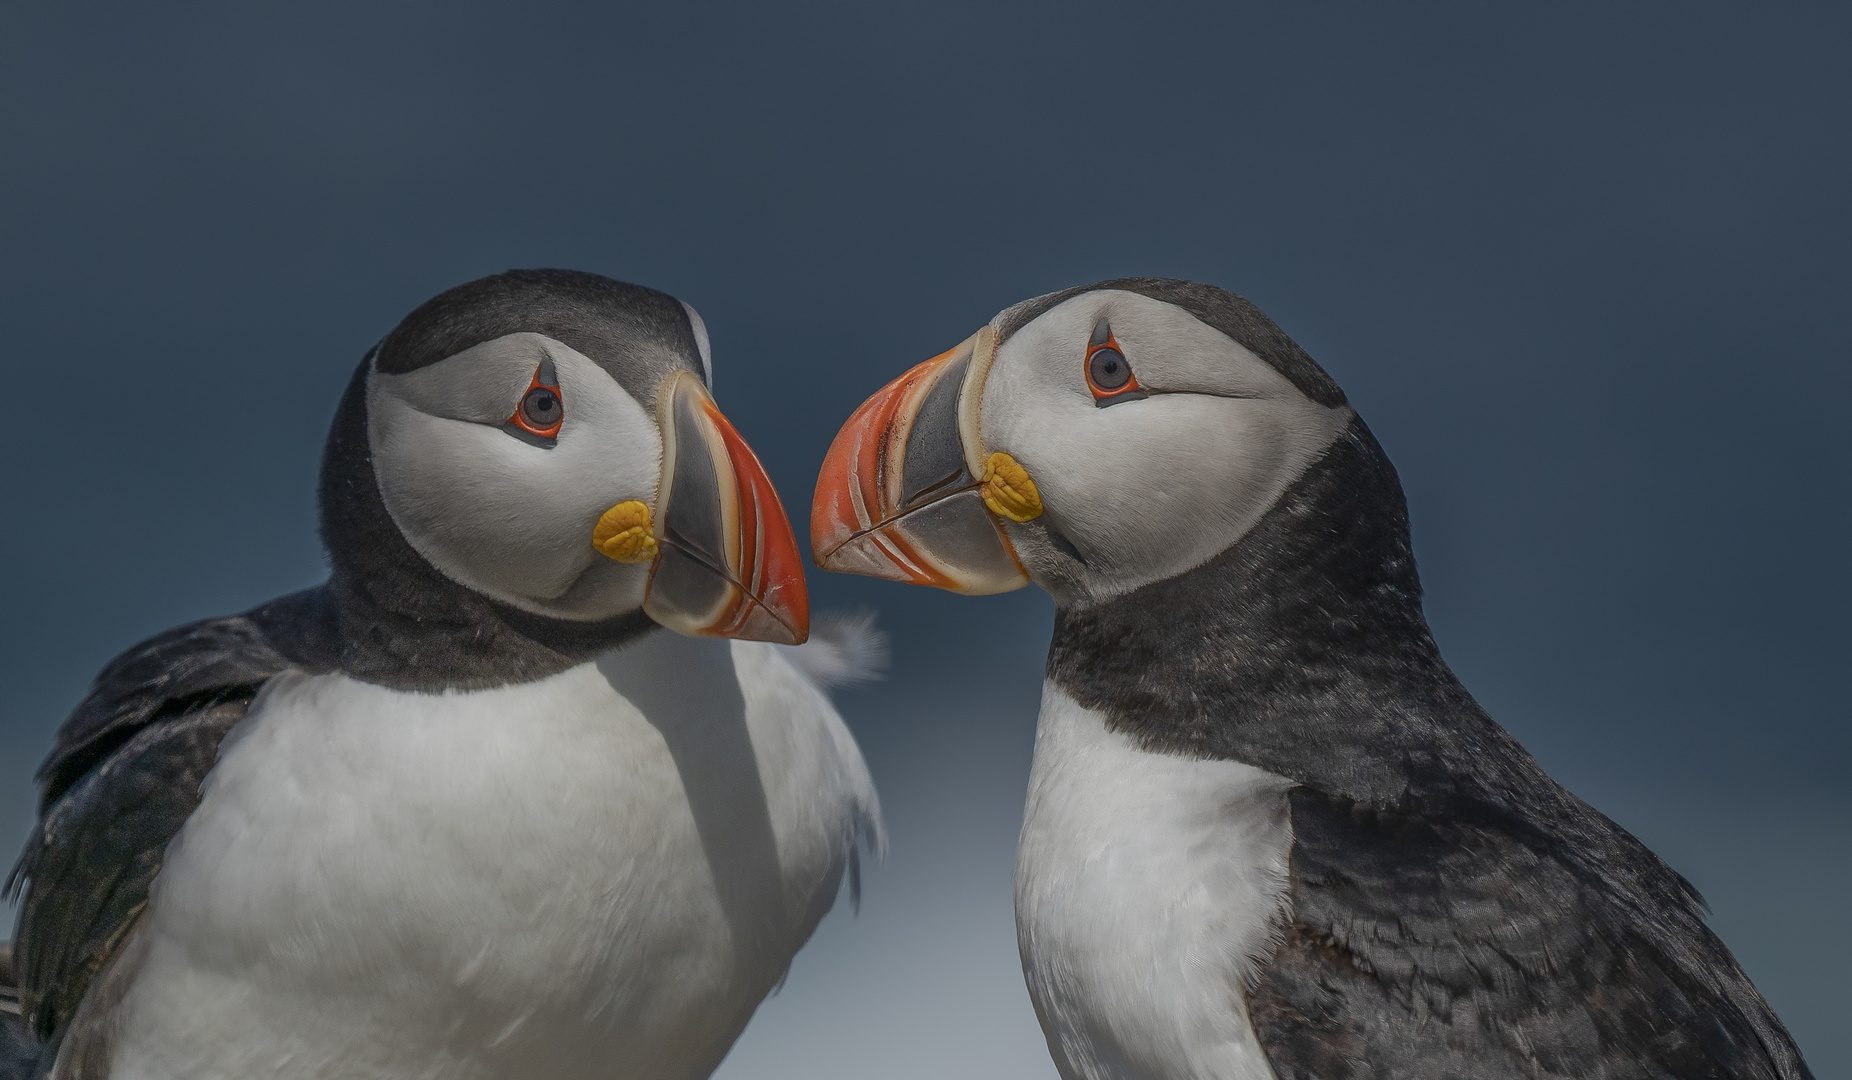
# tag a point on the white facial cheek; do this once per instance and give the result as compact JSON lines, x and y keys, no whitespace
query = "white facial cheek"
{"x":1030,"y":412}
{"x":1214,"y":480}
{"x":1143,"y":480}
{"x":1095,"y":467}
{"x":504,"y":517}
{"x":1149,"y":488}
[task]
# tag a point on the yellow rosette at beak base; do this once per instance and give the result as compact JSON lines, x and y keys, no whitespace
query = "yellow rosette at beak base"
{"x":1008,"y":491}
{"x":623,"y":533}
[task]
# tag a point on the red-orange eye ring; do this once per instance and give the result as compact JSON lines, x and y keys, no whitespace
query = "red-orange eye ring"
{"x":541,"y":409}
{"x":1109,"y":375}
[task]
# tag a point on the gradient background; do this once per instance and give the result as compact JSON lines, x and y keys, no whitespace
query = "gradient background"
{"x":1584,"y":270}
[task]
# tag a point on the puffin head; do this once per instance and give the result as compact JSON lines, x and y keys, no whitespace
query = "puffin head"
{"x":1092,"y":441}
{"x":546,"y":440}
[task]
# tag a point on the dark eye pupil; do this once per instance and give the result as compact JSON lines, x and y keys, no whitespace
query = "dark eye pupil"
{"x":1108,"y":369}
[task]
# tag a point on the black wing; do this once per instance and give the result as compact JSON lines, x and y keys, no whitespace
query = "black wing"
{"x":123,"y":776}
{"x":19,"y":1052}
{"x":1467,"y":944}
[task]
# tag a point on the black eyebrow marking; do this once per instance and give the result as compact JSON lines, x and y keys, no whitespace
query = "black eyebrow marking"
{"x":547,"y":376}
{"x":1102,"y":333}
{"x":1148,"y":392}
{"x":1224,"y":394}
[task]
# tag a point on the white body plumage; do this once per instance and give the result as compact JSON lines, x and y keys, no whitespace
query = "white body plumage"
{"x":598,"y":874}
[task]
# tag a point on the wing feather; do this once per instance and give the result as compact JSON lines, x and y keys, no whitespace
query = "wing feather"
{"x":1465,"y":944}
{"x":123,"y":776}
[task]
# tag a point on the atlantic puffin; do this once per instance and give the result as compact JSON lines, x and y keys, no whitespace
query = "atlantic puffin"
{"x":500,"y":799}
{"x":1268,"y":833}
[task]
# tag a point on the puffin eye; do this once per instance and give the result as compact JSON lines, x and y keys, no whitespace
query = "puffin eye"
{"x":540,"y":408}
{"x":1108,"y":369}
{"x":1109,"y":377}
{"x":538,"y":417}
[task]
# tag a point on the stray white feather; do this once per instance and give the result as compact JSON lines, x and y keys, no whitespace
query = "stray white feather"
{"x":846,"y":648}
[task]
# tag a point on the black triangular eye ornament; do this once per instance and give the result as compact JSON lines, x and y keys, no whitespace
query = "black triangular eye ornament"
{"x":1109,"y":376}
{"x":541,"y":411}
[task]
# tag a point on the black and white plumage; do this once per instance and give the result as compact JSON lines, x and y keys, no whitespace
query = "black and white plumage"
{"x":1268,"y":832}
{"x":463,"y":810}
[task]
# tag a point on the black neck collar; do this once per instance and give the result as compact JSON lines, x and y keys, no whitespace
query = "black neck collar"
{"x":1301,"y":649}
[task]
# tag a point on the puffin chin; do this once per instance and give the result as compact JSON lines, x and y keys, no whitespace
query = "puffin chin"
{"x":605,"y":590}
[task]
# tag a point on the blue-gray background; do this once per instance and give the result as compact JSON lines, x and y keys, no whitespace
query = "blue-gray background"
{"x":1584,"y":269}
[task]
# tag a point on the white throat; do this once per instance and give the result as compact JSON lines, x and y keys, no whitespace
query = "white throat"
{"x":1150,"y":890}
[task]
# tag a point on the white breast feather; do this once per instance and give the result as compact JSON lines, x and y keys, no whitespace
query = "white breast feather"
{"x":600,"y":874}
{"x":1149,"y":888}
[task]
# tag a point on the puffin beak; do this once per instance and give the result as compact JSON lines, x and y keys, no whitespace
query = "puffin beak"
{"x":906,"y":491}
{"x":725,"y":563}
